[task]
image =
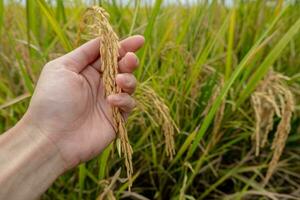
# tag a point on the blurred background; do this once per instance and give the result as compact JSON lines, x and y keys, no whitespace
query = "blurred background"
{"x":220,"y":77}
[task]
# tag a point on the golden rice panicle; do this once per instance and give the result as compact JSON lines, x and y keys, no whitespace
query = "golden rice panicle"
{"x":149,"y":102}
{"x":283,"y":129}
{"x":272,"y":97}
{"x":97,"y":19}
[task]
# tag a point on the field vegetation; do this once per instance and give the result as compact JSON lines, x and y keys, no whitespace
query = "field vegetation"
{"x":218,"y":110}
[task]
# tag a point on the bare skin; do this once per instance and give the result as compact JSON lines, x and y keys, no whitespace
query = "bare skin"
{"x":68,"y":121}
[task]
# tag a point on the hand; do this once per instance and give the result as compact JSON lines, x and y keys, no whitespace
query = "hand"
{"x":68,"y":106}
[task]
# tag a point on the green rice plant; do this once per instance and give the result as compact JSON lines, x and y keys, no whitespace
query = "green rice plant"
{"x":273,"y":55}
{"x":205,"y":63}
{"x":226,"y":88}
{"x":55,"y":25}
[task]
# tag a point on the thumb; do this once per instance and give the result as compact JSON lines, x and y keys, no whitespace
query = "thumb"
{"x":81,"y":57}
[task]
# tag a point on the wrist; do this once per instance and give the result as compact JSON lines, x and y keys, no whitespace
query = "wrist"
{"x":44,"y":141}
{"x":53,"y":139}
{"x":27,"y":157}
{"x":39,"y":143}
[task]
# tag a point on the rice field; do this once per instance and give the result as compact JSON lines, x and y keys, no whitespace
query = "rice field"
{"x":218,"y":108}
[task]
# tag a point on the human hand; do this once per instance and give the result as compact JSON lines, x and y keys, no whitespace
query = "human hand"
{"x":68,"y":106}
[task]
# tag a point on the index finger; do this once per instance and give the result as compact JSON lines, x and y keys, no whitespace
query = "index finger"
{"x":131,"y":44}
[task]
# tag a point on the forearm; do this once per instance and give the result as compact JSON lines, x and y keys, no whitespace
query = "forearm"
{"x":29,"y":163}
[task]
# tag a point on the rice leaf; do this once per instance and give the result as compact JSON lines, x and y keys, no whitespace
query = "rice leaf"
{"x":60,"y":12}
{"x":82,"y":176}
{"x":55,"y":25}
{"x":147,"y":34}
{"x":215,"y":106}
{"x":268,"y":62}
{"x":103,"y":161}
{"x":231,"y":30}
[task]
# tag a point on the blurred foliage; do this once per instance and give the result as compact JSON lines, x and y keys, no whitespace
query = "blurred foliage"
{"x":204,"y":60}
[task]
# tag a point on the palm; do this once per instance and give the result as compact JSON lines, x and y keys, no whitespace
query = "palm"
{"x":79,"y":116}
{"x":70,"y":107}
{"x":95,"y":115}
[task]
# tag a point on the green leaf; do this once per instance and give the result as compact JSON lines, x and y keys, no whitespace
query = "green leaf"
{"x":103,"y":161}
{"x":215,"y":106}
{"x":55,"y":25}
{"x":184,"y":147}
{"x":228,"y":67}
{"x":60,"y":11}
{"x":268,"y":62}
{"x":147,"y":34}
{"x":82,"y":176}
{"x":136,"y":10}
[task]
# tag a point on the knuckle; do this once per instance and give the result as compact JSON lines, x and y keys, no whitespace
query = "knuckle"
{"x":133,"y":59}
{"x":53,"y":64}
{"x":131,"y":83}
{"x":124,"y":96}
{"x":48,"y":67}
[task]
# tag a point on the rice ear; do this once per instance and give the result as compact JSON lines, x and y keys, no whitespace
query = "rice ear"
{"x":272,"y":97}
{"x":148,"y":101}
{"x":97,"y":19}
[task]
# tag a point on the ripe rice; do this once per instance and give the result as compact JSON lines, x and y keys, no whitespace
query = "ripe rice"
{"x":97,"y":20}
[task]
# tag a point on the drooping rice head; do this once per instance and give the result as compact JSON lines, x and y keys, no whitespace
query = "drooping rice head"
{"x":96,"y":22}
{"x":149,"y":102}
{"x":272,"y":97}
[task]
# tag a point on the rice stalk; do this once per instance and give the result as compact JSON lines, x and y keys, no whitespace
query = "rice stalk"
{"x":97,"y":20}
{"x":216,"y":133}
{"x":272,"y":97}
{"x":109,"y":185}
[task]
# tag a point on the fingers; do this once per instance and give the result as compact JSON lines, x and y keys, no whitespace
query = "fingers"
{"x":127,"y":82}
{"x":123,"y":101}
{"x":131,"y":44}
{"x":88,"y":53}
{"x":81,"y":57}
{"x":128,"y":63}
{"x":128,"y":60}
